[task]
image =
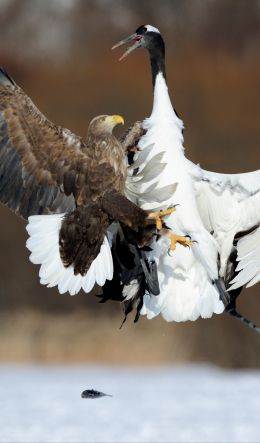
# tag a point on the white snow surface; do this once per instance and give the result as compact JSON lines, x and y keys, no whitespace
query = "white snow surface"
{"x":169,"y":404}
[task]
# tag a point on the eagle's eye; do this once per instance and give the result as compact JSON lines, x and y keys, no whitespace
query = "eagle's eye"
{"x":102,"y":119}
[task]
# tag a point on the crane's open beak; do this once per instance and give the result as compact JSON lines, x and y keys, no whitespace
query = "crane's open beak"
{"x":136,"y":38}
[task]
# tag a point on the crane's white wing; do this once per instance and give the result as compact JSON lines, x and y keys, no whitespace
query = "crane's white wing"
{"x":147,"y":173}
{"x":248,"y":256}
{"x":244,"y":185}
{"x":229,"y":206}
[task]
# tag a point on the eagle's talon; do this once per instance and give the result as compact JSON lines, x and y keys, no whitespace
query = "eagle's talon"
{"x":174,"y":238}
{"x":182,"y":240}
{"x":169,"y":252}
{"x":173,"y":206}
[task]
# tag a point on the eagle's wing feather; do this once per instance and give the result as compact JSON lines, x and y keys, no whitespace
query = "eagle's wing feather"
{"x":40,"y":163}
{"x":230,"y":208}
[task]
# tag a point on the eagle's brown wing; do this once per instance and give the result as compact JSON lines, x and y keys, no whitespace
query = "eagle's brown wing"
{"x":42,"y":166}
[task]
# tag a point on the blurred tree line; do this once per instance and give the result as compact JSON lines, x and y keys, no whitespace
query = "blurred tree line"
{"x":52,"y":29}
{"x":59,"y":52}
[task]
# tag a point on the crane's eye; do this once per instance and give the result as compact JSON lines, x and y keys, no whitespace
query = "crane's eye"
{"x":144,"y":29}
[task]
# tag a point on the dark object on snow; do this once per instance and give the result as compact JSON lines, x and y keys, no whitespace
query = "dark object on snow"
{"x":91,"y":393}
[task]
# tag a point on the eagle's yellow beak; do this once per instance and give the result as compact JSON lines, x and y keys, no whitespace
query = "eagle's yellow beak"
{"x":118,"y":120}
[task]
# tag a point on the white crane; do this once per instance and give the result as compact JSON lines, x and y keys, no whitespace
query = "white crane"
{"x":220,"y":212}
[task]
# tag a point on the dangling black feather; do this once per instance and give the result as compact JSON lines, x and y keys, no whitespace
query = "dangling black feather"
{"x":134,"y":275}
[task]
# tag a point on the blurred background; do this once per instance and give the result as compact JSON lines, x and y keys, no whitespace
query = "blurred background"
{"x":59,"y":52}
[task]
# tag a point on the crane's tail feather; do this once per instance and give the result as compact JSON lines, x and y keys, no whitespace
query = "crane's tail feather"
{"x":43,"y":243}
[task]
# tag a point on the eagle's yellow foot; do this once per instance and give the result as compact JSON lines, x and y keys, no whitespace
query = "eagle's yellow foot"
{"x":174,"y":239}
{"x":158,"y":215}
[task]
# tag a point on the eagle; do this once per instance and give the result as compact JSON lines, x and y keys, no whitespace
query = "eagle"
{"x":73,"y":192}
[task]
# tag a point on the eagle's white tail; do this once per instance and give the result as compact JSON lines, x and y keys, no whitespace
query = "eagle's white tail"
{"x":44,"y":246}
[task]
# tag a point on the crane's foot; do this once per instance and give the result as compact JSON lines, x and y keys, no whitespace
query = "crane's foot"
{"x":157,"y":216}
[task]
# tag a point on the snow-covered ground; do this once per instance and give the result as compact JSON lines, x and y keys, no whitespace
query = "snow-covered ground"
{"x":172,"y":404}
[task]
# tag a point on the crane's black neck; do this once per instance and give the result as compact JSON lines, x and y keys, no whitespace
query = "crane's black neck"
{"x":156,"y":50}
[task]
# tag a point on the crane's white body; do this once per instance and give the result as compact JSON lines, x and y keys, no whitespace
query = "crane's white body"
{"x":225,"y":204}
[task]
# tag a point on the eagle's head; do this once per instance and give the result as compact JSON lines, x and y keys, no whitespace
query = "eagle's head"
{"x":104,"y":124}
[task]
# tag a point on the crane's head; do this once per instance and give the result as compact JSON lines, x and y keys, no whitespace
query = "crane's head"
{"x":146,"y":36}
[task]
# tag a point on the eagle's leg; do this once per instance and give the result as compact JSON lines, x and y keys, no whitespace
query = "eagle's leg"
{"x":144,"y":223}
{"x":158,"y":215}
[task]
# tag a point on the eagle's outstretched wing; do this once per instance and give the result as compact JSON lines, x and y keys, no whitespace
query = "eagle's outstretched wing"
{"x":41,"y":164}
